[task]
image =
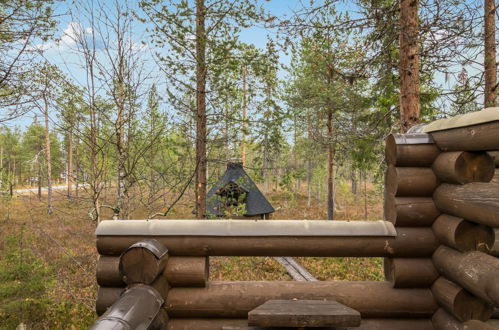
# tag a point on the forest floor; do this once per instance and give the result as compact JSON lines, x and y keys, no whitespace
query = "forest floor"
{"x":47,"y":262}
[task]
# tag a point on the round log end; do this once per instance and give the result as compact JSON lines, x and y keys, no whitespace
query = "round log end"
{"x":139,"y":265}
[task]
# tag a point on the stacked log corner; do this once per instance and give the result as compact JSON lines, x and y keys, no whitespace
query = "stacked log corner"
{"x":468,"y":287}
{"x":409,"y":185}
{"x":144,"y":265}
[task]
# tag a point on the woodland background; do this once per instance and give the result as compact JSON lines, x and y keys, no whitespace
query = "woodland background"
{"x":143,"y":103}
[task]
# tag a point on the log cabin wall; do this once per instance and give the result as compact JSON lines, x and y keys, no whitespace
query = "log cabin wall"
{"x":467,"y":198}
{"x":441,"y":209}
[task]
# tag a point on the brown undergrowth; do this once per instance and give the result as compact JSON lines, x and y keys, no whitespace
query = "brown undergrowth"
{"x":47,"y":262}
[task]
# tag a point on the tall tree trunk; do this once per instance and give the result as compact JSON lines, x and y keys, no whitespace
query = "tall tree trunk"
{"x":39,"y":181}
{"x":309,"y":182}
{"x":365,"y":196}
{"x":410,"y":107}
{"x":1,"y":166}
{"x":76,"y":169}
{"x":490,"y":55}
{"x":330,"y":166}
{"x":353,"y":177}
{"x":70,"y":162}
{"x":243,"y":143}
{"x":200,"y":110}
{"x":49,"y":158}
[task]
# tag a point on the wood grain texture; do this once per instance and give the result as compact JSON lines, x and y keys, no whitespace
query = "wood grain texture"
{"x":460,"y":167}
{"x":303,"y":313}
{"x":236,"y":299}
{"x":410,"y":211}
{"x":410,"y":272}
{"x":476,"y":202}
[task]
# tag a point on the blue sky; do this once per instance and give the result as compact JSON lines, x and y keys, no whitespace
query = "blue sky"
{"x":60,"y":52}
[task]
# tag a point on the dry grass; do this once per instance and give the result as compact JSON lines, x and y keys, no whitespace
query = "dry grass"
{"x":65,"y":242}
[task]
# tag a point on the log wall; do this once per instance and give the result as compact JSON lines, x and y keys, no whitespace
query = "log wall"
{"x":441,"y":270}
{"x":468,"y":199}
{"x":409,"y":185}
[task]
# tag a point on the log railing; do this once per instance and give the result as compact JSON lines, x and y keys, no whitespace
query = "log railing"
{"x":441,"y":209}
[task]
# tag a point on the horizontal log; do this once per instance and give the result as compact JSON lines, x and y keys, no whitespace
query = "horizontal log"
{"x":410,"y":211}
{"x":475,"y":271}
{"x":108,"y":272}
{"x":409,"y":242}
{"x":179,"y":271}
{"x":138,"y":307}
{"x":476,"y":202}
{"x":463,"y":235}
{"x":458,"y":302}
{"x":236,"y":299}
{"x":233,"y":324}
{"x":410,"y":181}
{"x":143,"y":262}
{"x":442,"y":320}
{"x":410,"y":150}
{"x":410,"y":272}
{"x":481,"y":137}
{"x":460,"y":167}
{"x":495,"y":157}
{"x":106,"y":296}
{"x":188,"y":271}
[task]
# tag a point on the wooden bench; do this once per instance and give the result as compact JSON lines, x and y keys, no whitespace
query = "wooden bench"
{"x":303,"y":314}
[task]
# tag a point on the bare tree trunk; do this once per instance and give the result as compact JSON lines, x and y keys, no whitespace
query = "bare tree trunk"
{"x":39,"y":181}
{"x":76,"y":169}
{"x":243,"y":142}
{"x":309,"y":182}
{"x":409,"y":65}
{"x":70,"y":162}
{"x":490,"y":55}
{"x":365,"y":195}
{"x":353,"y":176}
{"x":48,"y":155}
{"x":330,"y":167}
{"x":201,"y":110}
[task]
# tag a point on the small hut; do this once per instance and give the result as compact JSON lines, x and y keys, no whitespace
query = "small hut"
{"x":235,"y":195}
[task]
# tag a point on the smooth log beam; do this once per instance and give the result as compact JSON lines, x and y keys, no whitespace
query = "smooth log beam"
{"x":460,"y":167}
{"x":137,"y":308}
{"x":410,"y":150}
{"x":483,"y":137}
{"x":476,"y":202}
{"x":410,"y":272}
{"x":106,"y":296}
{"x":410,"y":181}
{"x":459,"y":302}
{"x":475,"y":271}
{"x":409,"y":242}
{"x":236,"y":299}
{"x":463,"y":235}
{"x":188,"y":271}
{"x":108,"y":272}
{"x":242,"y":324}
{"x":410,"y":211}
{"x":143,"y":262}
{"x":179,"y":271}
